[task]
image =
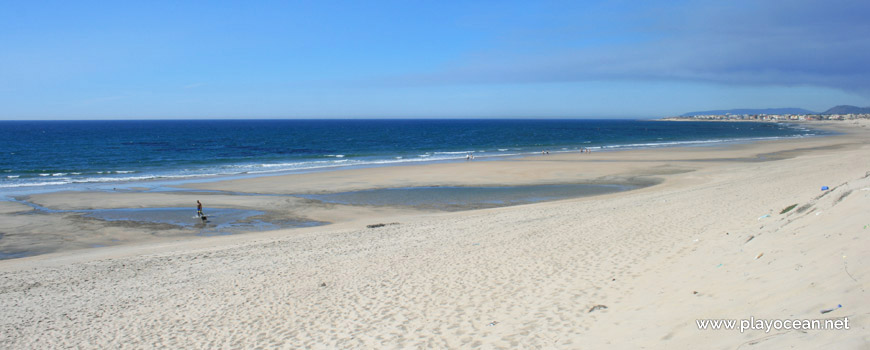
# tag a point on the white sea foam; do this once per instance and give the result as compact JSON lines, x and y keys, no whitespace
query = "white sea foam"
{"x":694,"y":142}
{"x":290,"y":165}
{"x":47,"y":183}
{"x":67,"y":180}
{"x":459,"y":152}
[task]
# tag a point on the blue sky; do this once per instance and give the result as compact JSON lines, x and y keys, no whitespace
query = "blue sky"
{"x":371,"y":59}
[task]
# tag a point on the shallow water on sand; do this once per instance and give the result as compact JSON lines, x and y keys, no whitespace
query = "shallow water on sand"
{"x":465,"y":198}
{"x":219,"y":221}
{"x":225,"y":221}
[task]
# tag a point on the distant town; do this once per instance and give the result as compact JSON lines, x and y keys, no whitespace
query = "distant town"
{"x":773,"y":117}
{"x":843,"y":112}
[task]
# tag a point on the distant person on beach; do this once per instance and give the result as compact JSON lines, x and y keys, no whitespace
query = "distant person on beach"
{"x":198,"y":209}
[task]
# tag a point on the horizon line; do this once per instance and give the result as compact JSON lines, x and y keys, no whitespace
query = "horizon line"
{"x":335,"y":118}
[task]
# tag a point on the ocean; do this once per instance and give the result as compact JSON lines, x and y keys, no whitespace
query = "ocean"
{"x":54,"y":155}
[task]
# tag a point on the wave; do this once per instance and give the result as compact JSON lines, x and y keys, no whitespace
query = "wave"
{"x":113,"y":171}
{"x":692,"y":142}
{"x":68,"y":181}
{"x":330,"y":162}
{"x":456,"y":152}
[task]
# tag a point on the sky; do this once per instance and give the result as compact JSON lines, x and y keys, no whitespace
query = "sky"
{"x":428,"y":59}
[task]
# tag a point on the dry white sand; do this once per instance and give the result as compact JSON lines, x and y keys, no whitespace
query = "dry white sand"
{"x":517,"y":277}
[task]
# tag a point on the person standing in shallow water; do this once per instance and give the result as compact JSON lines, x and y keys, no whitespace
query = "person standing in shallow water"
{"x":198,"y":209}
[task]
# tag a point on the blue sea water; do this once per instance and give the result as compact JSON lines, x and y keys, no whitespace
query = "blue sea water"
{"x":41,"y":154}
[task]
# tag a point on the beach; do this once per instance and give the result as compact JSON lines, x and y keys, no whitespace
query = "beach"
{"x":706,"y":235}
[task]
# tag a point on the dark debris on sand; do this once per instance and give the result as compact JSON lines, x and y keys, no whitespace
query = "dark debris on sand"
{"x":381,"y":225}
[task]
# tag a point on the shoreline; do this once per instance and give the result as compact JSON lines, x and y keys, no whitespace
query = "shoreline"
{"x":710,"y":241}
{"x":295,"y":204}
{"x":159,"y":180}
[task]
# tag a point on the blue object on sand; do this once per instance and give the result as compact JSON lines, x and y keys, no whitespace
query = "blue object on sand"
{"x":824,"y":188}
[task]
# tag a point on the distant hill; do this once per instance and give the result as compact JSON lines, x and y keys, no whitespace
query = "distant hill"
{"x":752,"y":111}
{"x":848,"y":110}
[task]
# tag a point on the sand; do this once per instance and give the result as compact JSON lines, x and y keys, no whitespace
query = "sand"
{"x":707,"y":242}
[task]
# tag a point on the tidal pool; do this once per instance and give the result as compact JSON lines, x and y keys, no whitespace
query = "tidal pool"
{"x":454,"y":198}
{"x":220,"y":221}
